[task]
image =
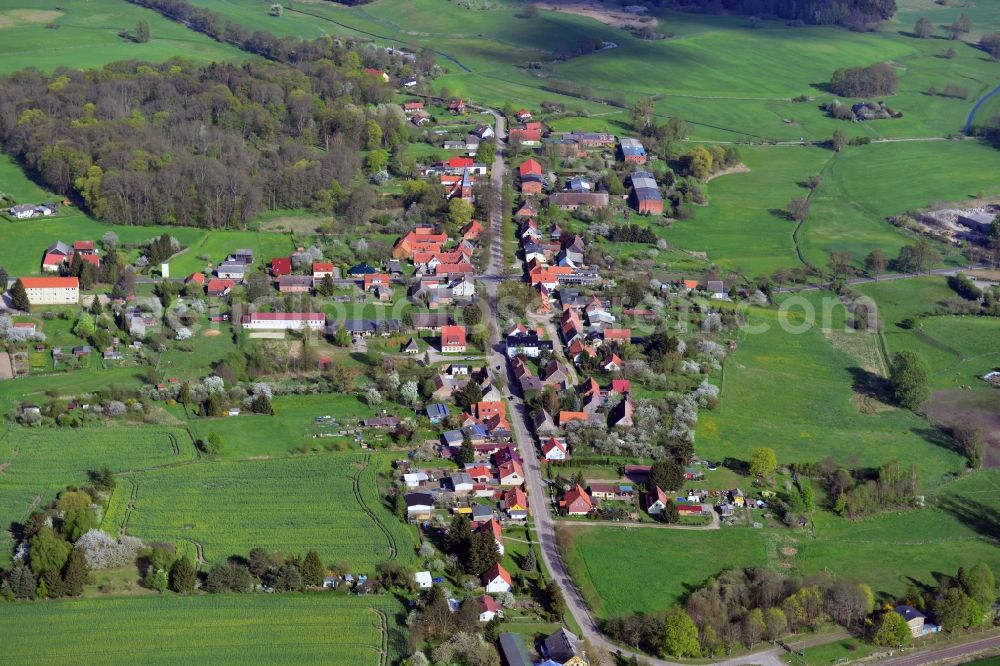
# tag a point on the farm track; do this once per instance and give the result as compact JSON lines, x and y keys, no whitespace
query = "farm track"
{"x":383,"y":650}
{"x":359,"y":496}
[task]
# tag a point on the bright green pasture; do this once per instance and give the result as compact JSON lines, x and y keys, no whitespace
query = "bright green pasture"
{"x":863,"y":186}
{"x":619,"y":572}
{"x":811,"y":410}
{"x":649,"y":569}
{"x":87,"y":36}
{"x":329,"y":503}
{"x":744,"y":227}
{"x":216,"y":245}
{"x":958,"y":350}
{"x":216,"y":629}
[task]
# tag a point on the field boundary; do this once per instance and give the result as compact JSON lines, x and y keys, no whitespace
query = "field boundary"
{"x":359,"y":496}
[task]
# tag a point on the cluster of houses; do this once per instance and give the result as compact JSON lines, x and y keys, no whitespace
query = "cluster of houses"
{"x":27,"y":211}
{"x":59,"y":255}
{"x":581,"y":192}
{"x":583,"y":501}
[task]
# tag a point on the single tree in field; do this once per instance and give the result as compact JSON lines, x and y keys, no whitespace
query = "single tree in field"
{"x":680,"y":634}
{"x":839,"y":140}
{"x":962,"y":26}
{"x":924,"y":28}
{"x":875,"y":263}
{"x":970,"y":443}
{"x":840,"y":264}
{"x":763,"y":462}
{"x":908,"y":379}
{"x":892,"y":632}
{"x":641,"y":114}
{"x":183,"y":576}
{"x":142,"y":32}
{"x":814,"y":181}
{"x":313,"y":569}
{"x":19,"y":297}
{"x":799,"y":208}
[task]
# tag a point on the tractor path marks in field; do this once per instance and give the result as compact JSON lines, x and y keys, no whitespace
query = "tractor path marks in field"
{"x":359,"y":496}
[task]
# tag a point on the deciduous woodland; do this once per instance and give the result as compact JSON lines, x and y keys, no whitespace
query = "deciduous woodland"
{"x":207,"y":146}
{"x":819,"y":12}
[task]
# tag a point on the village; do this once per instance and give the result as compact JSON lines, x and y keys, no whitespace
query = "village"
{"x":552,"y":387}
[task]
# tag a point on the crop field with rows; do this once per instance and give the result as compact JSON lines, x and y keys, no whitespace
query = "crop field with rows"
{"x":324,"y":502}
{"x":36,"y":464}
{"x":218,"y":629}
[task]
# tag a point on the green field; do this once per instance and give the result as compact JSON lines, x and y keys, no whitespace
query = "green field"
{"x":618,"y":570}
{"x":39,"y":463}
{"x":329,"y":503}
{"x":812,"y":410}
{"x":958,"y":350}
{"x":85,"y":34}
{"x":217,"y":629}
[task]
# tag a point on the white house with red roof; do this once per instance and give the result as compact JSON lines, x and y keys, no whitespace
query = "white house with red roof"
{"x":496,"y":580}
{"x":553,"y":449}
{"x":488,"y":608}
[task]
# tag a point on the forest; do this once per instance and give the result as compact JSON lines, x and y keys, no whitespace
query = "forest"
{"x":203,"y":145}
{"x":815,"y":12}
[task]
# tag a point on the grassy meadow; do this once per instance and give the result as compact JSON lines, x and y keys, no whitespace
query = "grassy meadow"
{"x":217,"y":629}
{"x":813,"y":410}
{"x":34,"y":33}
{"x":329,"y":503}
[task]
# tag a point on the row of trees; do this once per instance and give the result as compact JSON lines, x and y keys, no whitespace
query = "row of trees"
{"x":827,"y":12}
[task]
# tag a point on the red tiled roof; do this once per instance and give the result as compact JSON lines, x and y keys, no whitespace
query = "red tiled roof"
{"x":497,"y":570}
{"x":49,"y":282}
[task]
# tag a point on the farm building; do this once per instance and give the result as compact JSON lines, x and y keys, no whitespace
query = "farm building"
{"x":295,"y":284}
{"x":645,"y":194}
{"x":282,"y":321}
{"x":281,"y":266}
{"x":219,"y":286}
{"x":530,"y":172}
{"x":633,"y":151}
{"x":575,"y":200}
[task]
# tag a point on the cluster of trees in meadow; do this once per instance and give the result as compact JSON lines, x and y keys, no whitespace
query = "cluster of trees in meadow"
{"x":872,"y":81}
{"x":742,"y":607}
{"x":202,"y":145}
{"x":854,"y":13}
{"x":861,"y":492}
{"x":52,"y":567}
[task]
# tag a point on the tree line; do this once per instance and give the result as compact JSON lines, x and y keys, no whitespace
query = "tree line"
{"x":817,"y":12}
{"x":742,"y":607}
